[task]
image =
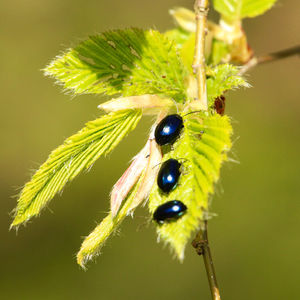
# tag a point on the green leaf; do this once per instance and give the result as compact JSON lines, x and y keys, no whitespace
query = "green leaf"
{"x":93,"y":243}
{"x":222,"y":78}
{"x":128,"y":62}
{"x":187,"y":52}
{"x":201,"y":150}
{"x":219,"y":52}
{"x":184,"y":18}
{"x":78,"y":152}
{"x":178,"y":35}
{"x":240,"y":9}
{"x":185,"y":42}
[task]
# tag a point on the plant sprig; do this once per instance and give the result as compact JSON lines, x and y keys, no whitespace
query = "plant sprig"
{"x":148,"y":72}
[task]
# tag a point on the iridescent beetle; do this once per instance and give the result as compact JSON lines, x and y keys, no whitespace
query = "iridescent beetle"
{"x":168,"y":175}
{"x":169,"y":211}
{"x":168,"y":130}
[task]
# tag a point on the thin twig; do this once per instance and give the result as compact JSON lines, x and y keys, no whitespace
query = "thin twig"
{"x":201,"y":10}
{"x":258,"y":60}
{"x":200,"y":243}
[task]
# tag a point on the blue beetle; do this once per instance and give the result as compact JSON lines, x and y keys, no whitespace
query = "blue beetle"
{"x":168,"y":175}
{"x":168,"y":129}
{"x":169,"y":211}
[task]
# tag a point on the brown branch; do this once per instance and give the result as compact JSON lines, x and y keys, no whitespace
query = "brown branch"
{"x":262,"y":59}
{"x":201,"y":10}
{"x":200,"y":243}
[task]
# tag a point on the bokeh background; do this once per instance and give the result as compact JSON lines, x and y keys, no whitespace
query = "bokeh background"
{"x":254,"y":238}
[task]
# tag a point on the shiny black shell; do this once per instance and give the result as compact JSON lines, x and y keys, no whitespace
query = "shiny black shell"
{"x":168,"y":129}
{"x":168,"y":175}
{"x":169,"y":211}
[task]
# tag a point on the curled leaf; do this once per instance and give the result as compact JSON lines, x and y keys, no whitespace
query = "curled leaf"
{"x":149,"y":176}
{"x":129,"y":179}
{"x":144,"y":168}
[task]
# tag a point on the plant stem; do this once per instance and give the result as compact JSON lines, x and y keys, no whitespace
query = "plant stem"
{"x":201,"y":10}
{"x":269,"y":58}
{"x":200,"y":243}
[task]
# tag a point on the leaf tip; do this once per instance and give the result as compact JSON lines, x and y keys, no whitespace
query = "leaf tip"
{"x":13,"y":226}
{"x":81,"y":260}
{"x":180,"y":254}
{"x":17,"y":221}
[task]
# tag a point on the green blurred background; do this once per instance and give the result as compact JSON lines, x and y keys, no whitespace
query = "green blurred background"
{"x":254,"y":239}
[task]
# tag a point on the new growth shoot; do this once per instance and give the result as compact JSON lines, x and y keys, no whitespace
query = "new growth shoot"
{"x":186,"y":70}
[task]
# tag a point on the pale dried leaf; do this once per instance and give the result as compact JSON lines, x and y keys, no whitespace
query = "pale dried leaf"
{"x":129,"y":179}
{"x":149,"y":176}
{"x":150,"y":104}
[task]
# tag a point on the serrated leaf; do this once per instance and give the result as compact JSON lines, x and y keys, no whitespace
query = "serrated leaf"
{"x":201,"y":150}
{"x":93,"y":243}
{"x":78,"y":152}
{"x":240,"y":9}
{"x":222,"y":78}
{"x":128,"y":62}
